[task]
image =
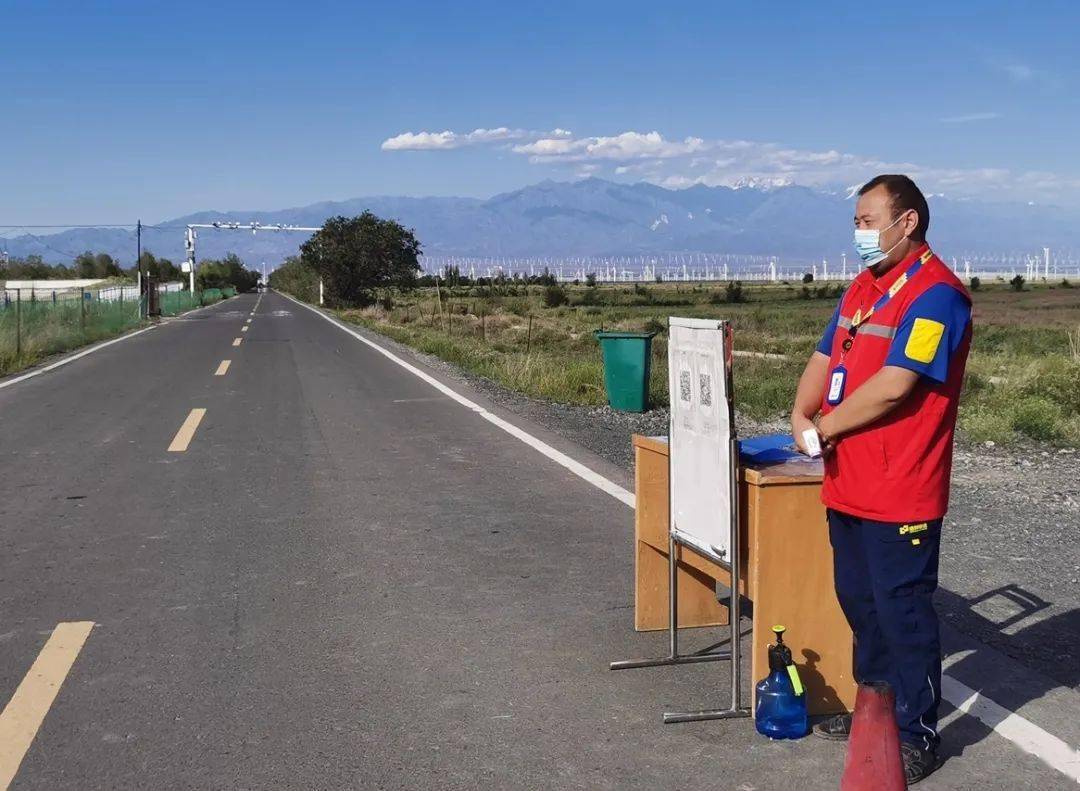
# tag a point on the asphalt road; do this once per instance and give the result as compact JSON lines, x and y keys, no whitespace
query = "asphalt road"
{"x":350,"y":580}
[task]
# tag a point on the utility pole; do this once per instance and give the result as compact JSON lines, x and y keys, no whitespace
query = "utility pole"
{"x":138,"y":262}
{"x":189,"y":247}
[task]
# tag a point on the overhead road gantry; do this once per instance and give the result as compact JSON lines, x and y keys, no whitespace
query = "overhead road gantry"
{"x":192,"y":234}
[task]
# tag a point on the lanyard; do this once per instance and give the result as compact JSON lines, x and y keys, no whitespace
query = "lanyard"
{"x":859,"y":319}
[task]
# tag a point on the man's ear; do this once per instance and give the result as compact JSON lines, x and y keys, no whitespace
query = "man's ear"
{"x":911,"y":222}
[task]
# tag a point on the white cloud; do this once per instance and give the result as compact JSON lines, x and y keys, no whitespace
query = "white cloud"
{"x":1025,"y":74}
{"x":445,"y":140}
{"x":970,"y":117}
{"x":649,"y":156}
{"x":625,"y":146}
{"x":1019,"y":72}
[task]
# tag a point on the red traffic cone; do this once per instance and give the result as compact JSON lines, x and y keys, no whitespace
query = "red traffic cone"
{"x":873,"y":757}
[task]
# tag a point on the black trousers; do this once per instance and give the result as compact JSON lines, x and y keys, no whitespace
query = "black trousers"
{"x":885,"y":575}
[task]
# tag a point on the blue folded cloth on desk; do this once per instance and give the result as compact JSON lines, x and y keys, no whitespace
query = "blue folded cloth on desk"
{"x":769,"y":448}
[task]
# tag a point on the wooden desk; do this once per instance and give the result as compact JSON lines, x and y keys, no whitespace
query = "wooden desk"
{"x":786,"y":565}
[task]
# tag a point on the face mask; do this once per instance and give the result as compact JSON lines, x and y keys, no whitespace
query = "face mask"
{"x":868,"y":244}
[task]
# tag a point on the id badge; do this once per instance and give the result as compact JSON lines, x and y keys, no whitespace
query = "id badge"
{"x":836,"y":386}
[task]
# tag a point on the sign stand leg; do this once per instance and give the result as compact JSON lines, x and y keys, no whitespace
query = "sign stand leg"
{"x":736,"y":709}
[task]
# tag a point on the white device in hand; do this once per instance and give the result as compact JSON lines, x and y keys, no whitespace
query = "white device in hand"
{"x":813,"y":444}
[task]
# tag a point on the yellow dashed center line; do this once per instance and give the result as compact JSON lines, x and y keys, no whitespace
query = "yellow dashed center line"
{"x":223,"y":368}
{"x":187,"y":431}
{"x":237,"y":341}
{"x":24,"y":713}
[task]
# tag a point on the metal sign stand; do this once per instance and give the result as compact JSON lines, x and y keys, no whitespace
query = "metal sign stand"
{"x":675,"y":544}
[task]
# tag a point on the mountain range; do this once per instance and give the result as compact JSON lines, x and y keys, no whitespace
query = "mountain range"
{"x":594,"y":217}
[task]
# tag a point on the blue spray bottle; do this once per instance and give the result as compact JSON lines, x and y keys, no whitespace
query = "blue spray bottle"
{"x":780,"y":711}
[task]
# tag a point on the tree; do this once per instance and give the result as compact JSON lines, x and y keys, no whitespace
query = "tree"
{"x":554,"y":296}
{"x":296,"y":278}
{"x":1017,"y":283}
{"x":590,"y":279}
{"x":90,"y":266}
{"x":808,"y":277}
{"x":355,"y":256}
{"x":229,"y":271}
{"x":161,"y":269}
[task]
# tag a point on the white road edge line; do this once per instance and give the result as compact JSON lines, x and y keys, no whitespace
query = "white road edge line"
{"x":574,"y":466}
{"x":89,"y":350}
{"x":1025,"y":734}
{"x":72,"y":358}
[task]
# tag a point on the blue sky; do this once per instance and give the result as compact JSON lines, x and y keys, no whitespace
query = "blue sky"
{"x":120,"y":110}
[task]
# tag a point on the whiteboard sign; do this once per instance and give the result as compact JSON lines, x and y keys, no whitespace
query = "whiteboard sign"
{"x":699,"y":382}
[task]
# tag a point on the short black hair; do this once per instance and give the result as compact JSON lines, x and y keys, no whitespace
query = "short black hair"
{"x":904,"y":195}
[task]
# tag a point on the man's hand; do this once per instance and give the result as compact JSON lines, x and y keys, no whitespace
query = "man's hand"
{"x":874,"y":399}
{"x":799,"y":424}
{"x":808,"y":397}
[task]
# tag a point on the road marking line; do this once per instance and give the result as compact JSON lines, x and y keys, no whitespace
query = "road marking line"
{"x":71,"y":359}
{"x":573,"y":465}
{"x":187,"y":430}
{"x":1025,"y":734}
{"x":237,"y":341}
{"x":91,"y":349}
{"x":24,"y":713}
{"x":244,"y":328}
{"x":248,"y":321}
{"x":223,"y":368}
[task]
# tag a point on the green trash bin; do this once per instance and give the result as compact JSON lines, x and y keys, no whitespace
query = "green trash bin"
{"x":627,"y":360}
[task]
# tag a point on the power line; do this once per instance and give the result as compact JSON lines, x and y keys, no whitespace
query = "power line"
{"x":97,"y":225}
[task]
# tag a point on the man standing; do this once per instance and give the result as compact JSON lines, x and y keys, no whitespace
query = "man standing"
{"x":882,"y":390}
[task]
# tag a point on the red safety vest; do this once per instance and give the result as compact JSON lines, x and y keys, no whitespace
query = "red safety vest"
{"x":896,"y":469}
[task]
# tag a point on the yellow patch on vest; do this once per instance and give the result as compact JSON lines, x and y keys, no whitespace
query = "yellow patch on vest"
{"x":923,"y":342}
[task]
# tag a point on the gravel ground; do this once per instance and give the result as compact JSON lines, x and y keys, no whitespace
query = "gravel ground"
{"x":1010,"y":562}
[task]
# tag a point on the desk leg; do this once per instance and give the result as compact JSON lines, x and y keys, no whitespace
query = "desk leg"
{"x":698,"y":605}
{"x":673,"y":625}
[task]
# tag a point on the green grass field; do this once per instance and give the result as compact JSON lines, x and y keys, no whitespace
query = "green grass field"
{"x":1023,"y":374}
{"x":35,"y":329}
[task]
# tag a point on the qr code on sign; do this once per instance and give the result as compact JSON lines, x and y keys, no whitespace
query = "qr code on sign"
{"x":684,"y":386}
{"x":705,"y":381}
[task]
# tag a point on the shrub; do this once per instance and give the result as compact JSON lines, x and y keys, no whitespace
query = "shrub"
{"x":1057,"y":381}
{"x":655,"y":325}
{"x":808,"y":277}
{"x":590,"y":280}
{"x":517,"y":306}
{"x":1038,"y":418}
{"x":555,"y":296}
{"x":975,"y":284}
{"x":734,"y":292}
{"x":1017,"y":283}
{"x":590,"y":296}
{"x":1065,"y":283}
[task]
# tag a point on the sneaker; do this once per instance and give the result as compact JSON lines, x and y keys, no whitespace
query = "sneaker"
{"x":918,"y":762}
{"x":835,"y":729}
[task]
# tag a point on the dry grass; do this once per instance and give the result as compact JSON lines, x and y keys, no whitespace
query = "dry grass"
{"x":1024,"y":370}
